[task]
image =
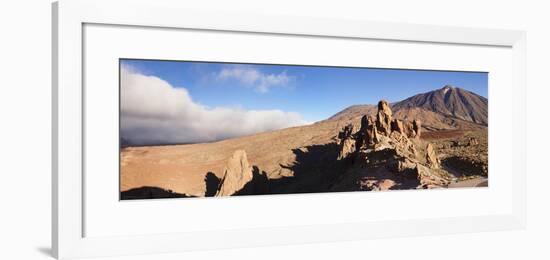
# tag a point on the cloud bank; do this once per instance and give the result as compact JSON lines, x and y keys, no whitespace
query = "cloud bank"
{"x":155,"y":112}
{"x":252,"y":77}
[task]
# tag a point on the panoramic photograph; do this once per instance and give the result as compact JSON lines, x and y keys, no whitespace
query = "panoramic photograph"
{"x":213,"y":129}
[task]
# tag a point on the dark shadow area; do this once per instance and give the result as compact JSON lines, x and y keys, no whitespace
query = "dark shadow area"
{"x":258,"y":185}
{"x":212,"y":183}
{"x":461,"y":167}
{"x":382,"y":157}
{"x":386,"y":164}
{"x":315,"y":169}
{"x":408,"y":181}
{"x":150,"y":193}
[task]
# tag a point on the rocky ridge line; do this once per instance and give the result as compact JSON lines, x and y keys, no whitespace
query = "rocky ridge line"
{"x":395,"y":143}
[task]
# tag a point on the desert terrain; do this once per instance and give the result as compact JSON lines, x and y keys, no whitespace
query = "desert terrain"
{"x":431,"y":140}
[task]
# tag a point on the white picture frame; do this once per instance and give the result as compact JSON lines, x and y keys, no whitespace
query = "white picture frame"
{"x":69,"y":18}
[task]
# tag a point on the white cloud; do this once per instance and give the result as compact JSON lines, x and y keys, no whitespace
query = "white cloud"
{"x":250,"y":76}
{"x":155,"y":112}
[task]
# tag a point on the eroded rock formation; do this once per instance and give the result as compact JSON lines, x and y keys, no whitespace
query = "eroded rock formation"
{"x":416,"y":128}
{"x":347,"y":143}
{"x":431,"y":157}
{"x":427,"y":179}
{"x":384,"y":117}
{"x":397,"y":126}
{"x":385,"y":152}
{"x":371,"y":134}
{"x":239,"y":178}
{"x":346,"y":132}
{"x":236,"y":175}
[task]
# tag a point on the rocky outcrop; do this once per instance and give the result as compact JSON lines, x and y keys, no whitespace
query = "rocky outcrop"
{"x":346,"y":132}
{"x":347,"y":147}
{"x":416,"y":128}
{"x":408,"y":129}
{"x":403,"y":145}
{"x":347,"y":142}
{"x":360,"y":136}
{"x":367,"y":136}
{"x":431,"y":157}
{"x":371,"y":136}
{"x":378,"y":133}
{"x":412,"y":129}
{"x":428,"y":179}
{"x":384,"y":118}
{"x":386,"y":150}
{"x":239,"y":178}
{"x":397,"y":126}
{"x":237,"y":174}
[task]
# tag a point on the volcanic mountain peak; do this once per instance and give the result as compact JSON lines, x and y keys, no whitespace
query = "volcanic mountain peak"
{"x":446,"y":88}
{"x":450,"y":101}
{"x":449,"y":107}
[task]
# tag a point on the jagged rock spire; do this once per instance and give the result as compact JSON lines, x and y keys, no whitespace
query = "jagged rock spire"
{"x":384,"y":118}
{"x":416,"y":128}
{"x":237,"y":174}
{"x":347,"y":143}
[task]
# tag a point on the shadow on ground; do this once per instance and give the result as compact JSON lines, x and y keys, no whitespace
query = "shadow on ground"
{"x":315,"y":170}
{"x":149,"y":193}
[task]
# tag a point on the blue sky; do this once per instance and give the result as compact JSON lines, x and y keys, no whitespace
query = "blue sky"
{"x":316,"y":93}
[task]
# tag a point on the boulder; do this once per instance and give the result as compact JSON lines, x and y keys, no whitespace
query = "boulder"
{"x":237,"y":174}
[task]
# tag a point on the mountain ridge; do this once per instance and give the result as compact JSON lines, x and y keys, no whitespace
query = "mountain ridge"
{"x":450,"y":100}
{"x":449,"y":107}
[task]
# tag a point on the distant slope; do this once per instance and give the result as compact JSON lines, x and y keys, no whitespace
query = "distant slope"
{"x":450,"y":101}
{"x":445,"y":108}
{"x":354,"y":111}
